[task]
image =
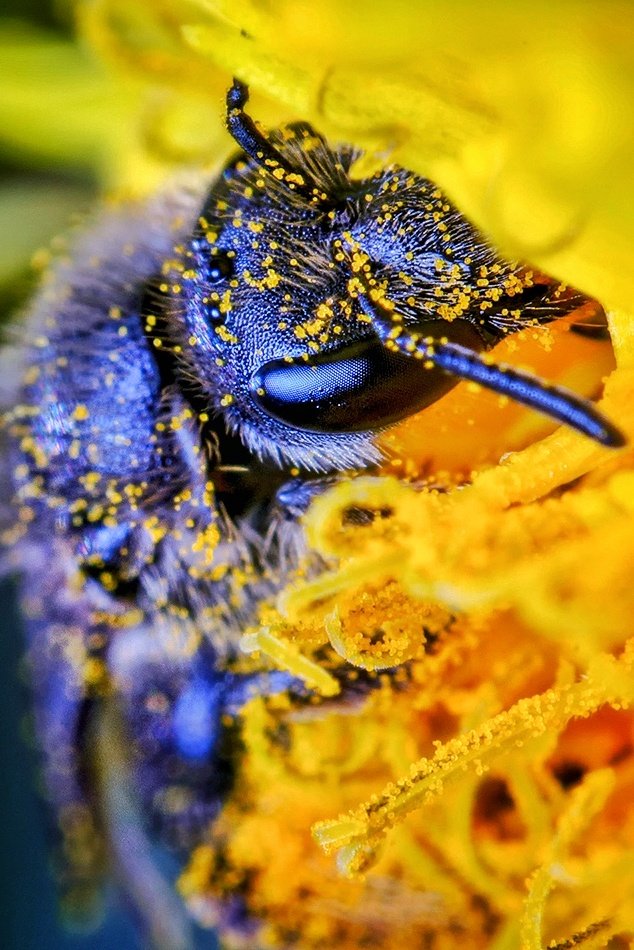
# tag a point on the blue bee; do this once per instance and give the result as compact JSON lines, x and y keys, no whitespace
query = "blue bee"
{"x":200,"y":367}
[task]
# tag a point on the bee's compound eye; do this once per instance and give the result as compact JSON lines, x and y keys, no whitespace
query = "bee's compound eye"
{"x":361,"y":387}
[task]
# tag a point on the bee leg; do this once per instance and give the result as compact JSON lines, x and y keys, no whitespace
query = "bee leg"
{"x":56,"y":656}
{"x":595,"y":328}
{"x":159,"y":912}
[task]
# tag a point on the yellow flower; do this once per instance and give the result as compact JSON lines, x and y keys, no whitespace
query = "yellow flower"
{"x":482,"y":794}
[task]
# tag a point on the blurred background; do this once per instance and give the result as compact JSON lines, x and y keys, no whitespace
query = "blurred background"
{"x":38,"y":197}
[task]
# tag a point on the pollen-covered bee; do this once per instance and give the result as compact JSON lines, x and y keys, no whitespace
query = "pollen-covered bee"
{"x":194,"y":374}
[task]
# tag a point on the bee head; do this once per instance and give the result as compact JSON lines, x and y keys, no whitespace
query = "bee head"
{"x":307,"y":292}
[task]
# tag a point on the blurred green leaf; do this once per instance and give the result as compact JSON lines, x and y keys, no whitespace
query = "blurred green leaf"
{"x":31,"y":213}
{"x":58,"y":108}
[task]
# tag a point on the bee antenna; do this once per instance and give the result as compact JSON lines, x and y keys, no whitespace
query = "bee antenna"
{"x":245,"y":132}
{"x":554,"y":401}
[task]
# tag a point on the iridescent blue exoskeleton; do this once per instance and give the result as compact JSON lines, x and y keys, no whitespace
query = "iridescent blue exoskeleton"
{"x":194,"y":373}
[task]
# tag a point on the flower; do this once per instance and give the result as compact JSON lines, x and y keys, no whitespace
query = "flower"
{"x":482,"y":791}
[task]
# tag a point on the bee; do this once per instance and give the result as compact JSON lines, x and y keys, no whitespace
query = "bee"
{"x":196,"y":371}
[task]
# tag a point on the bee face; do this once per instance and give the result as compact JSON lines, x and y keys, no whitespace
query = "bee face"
{"x":304,"y":292}
{"x":296,"y":360}
{"x":265,"y":286}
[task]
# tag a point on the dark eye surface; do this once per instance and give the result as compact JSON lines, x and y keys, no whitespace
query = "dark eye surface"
{"x":357,"y":388}
{"x":220,"y":268}
{"x":214,"y":314}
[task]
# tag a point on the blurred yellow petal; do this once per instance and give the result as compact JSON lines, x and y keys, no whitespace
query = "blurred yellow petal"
{"x":521,"y":113}
{"x":58,"y":107}
{"x":33,"y":213}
